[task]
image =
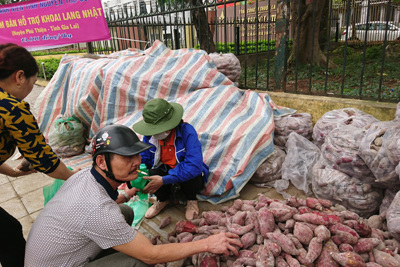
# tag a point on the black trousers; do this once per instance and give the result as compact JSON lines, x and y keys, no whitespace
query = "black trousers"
{"x":12,"y":242}
{"x":177,"y":192}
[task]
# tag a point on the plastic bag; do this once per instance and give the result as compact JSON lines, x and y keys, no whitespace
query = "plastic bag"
{"x":270,"y":170}
{"x":67,"y":137}
{"x":301,"y":123}
{"x":340,"y":188}
{"x":380,"y":149}
{"x":50,"y":190}
{"x":140,"y":204}
{"x":341,"y":152}
{"x":386,"y":201}
{"x":301,"y":156}
{"x":397,"y":115}
{"x":393,"y":217}
{"x":338,"y":118}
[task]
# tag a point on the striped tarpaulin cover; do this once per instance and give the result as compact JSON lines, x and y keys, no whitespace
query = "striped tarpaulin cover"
{"x":235,"y":126}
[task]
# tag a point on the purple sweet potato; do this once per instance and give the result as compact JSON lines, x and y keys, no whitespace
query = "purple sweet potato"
{"x":237,"y":204}
{"x":273,"y":247}
{"x":325,"y":259}
{"x":345,"y":247}
{"x":314,"y":250}
{"x":280,"y":262}
{"x":239,"y":229}
{"x":372,"y":264}
{"x":312,"y":218}
{"x":385,"y":259}
{"x":248,"y":239}
{"x":284,"y":242}
{"x":264,"y":257}
{"x":266,"y":221}
{"x":344,"y":233}
{"x":245,"y":253}
{"x":239,"y":217}
{"x":164,"y":222}
{"x":208,"y":260}
{"x":366,"y":244}
{"x":322,"y":233}
{"x":212,"y":217}
{"x":313,"y":203}
{"x":348,"y":259}
{"x":292,"y":261}
{"x":303,"y":233}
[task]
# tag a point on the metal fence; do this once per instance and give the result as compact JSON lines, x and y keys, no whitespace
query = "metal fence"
{"x":358,"y":41}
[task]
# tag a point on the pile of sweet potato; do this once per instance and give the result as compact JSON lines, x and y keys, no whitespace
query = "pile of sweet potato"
{"x":293,"y":232}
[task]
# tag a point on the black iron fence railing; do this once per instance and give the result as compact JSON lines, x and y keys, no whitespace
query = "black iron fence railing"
{"x":314,"y":47}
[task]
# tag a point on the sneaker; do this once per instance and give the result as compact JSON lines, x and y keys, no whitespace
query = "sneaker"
{"x":192,"y":210}
{"x":155,"y":209}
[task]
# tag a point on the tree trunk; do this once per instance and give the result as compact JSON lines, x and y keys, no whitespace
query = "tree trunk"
{"x":200,"y":21}
{"x":307,"y":45}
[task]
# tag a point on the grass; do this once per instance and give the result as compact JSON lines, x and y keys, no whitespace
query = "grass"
{"x":345,"y":84}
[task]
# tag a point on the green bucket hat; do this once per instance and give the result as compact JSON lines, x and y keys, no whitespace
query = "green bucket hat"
{"x":158,"y":116}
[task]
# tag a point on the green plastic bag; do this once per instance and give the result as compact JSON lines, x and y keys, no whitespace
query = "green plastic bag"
{"x":50,"y":190}
{"x":140,"y":204}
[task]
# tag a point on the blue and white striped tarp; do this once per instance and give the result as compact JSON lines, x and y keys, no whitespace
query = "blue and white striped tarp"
{"x":235,"y":126}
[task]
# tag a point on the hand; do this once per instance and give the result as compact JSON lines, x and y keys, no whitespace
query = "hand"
{"x":131,"y":192}
{"x":155,"y":183}
{"x":224,"y":243}
{"x":121,"y":199}
{"x":21,"y":170}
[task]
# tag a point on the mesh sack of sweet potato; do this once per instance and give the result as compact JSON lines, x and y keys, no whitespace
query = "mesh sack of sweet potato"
{"x":228,"y":64}
{"x":380,"y":150}
{"x":301,"y":123}
{"x":338,"y":187}
{"x":270,"y":170}
{"x":341,"y":152}
{"x":338,"y":118}
{"x":393,"y":217}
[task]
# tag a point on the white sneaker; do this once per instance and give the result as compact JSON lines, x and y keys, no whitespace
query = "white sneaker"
{"x":155,"y":209}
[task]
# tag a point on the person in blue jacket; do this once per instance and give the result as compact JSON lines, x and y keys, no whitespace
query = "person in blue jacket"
{"x":177,"y":172}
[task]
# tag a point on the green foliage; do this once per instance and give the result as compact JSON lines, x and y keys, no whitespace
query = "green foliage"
{"x":56,"y":52}
{"x":247,"y":47}
{"x":50,"y":65}
{"x":373,"y":52}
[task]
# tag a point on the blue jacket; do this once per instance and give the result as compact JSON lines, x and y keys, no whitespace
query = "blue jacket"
{"x":189,"y":156}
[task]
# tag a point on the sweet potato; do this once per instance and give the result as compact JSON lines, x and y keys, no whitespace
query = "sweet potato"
{"x":325,"y":259}
{"x":313,"y":203}
{"x":375,"y":221}
{"x":344,"y":233}
{"x":362,"y":228}
{"x":322,"y":233}
{"x":345,"y":247}
{"x":247,"y":207}
{"x":245,"y":261}
{"x":290,"y":224}
{"x":372,"y":264}
{"x":302,"y":256}
{"x":212,"y":217}
{"x":248,"y":239}
{"x":366,"y":244}
{"x":273,"y":247}
{"x":264,"y":257}
{"x":292,"y":261}
{"x":280,"y":262}
{"x":245,"y":253}
{"x":166,"y":221}
{"x":239,"y":217}
{"x":284,"y":242}
{"x":296,"y":202}
{"x":312,"y":218}
{"x":237,"y":204}
{"x":303,"y":233}
{"x":238,"y":229}
{"x":296,"y":241}
{"x":349,"y":259}
{"x":385,"y":259}
{"x":266,"y":221}
{"x":314,"y":250}
{"x":325,"y":203}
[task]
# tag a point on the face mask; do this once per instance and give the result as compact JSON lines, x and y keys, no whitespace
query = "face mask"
{"x":162,"y":136}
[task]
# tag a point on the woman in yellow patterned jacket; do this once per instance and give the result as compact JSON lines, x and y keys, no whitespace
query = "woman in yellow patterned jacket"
{"x":19,"y":129}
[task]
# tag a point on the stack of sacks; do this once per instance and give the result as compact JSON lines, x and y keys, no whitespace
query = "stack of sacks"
{"x":228,"y":64}
{"x":380,"y":149}
{"x":270,"y":170}
{"x":300,"y":123}
{"x":338,"y":118}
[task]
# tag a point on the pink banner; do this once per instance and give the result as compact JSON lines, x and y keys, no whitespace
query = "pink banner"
{"x":53,"y":22}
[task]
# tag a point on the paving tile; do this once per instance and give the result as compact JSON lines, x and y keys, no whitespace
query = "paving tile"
{"x":35,"y":214}
{"x":26,"y":223}
{"x":7,"y":192}
{"x":31,"y":183}
{"x":3,"y":179}
{"x":33,"y":201}
{"x":15,"y":208}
